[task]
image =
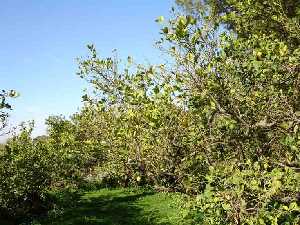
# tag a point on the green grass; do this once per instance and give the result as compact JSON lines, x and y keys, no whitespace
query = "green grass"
{"x":119,"y":207}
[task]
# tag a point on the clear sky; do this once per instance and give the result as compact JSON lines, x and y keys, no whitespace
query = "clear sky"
{"x":41,"y":39}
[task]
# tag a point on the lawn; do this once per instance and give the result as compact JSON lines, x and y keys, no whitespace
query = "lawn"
{"x":119,"y":207}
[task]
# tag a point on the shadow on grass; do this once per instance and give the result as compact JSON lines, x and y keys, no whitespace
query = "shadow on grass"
{"x":108,"y":208}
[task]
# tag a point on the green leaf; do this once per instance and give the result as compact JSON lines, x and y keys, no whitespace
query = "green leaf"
{"x":156,"y":89}
{"x":160,"y":19}
{"x":165,"y":30}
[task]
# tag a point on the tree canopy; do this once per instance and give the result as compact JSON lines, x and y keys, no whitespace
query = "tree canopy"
{"x":220,"y":121}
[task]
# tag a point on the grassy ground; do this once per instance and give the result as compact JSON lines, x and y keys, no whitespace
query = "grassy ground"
{"x":119,"y":207}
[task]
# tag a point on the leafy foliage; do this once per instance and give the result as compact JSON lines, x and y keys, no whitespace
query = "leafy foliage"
{"x":220,"y":121}
{"x":25,"y":174}
{"x":4,"y":105}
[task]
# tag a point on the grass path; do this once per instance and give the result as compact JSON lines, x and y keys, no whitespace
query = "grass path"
{"x":121,"y":207}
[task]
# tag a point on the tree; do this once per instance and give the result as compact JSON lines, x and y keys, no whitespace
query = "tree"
{"x":228,"y":106}
{"x":4,"y":105}
{"x":247,"y":96}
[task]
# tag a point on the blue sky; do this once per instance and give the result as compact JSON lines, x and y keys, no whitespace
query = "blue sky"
{"x":41,"y":39}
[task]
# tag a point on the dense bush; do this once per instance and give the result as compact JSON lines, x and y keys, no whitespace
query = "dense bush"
{"x":219,"y":121}
{"x":25,"y":173}
{"x":231,"y":98}
{"x":248,"y":194}
{"x":30,"y":167}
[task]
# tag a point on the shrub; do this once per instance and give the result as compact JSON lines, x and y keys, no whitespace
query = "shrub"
{"x":26,"y":173}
